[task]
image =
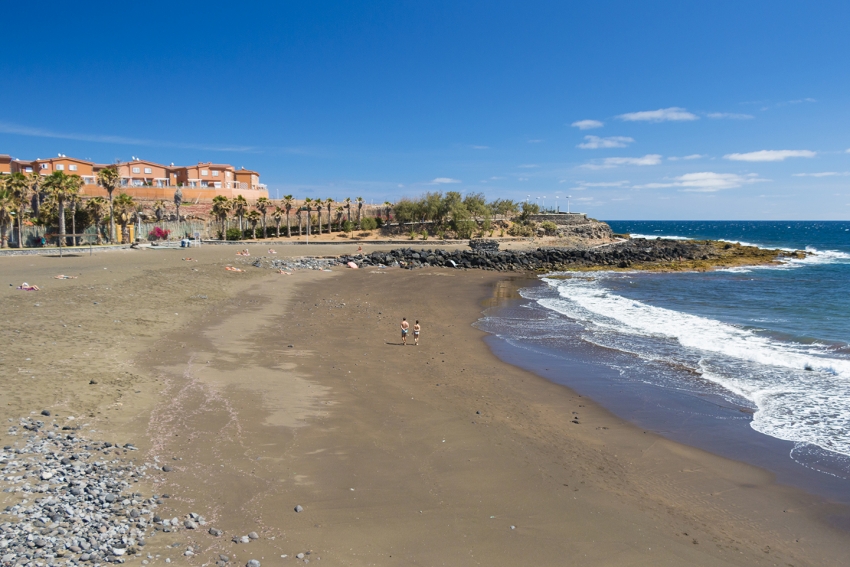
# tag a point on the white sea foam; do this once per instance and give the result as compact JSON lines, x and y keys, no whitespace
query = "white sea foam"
{"x":802,"y":392}
{"x":657,"y":236}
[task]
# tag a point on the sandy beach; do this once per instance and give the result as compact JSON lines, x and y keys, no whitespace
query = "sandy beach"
{"x":266,"y":391}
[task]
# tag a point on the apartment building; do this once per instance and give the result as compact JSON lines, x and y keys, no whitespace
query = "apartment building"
{"x":149,"y":180}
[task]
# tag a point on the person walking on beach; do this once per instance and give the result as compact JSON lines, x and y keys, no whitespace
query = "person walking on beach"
{"x":405,"y":326}
{"x":416,"y":329}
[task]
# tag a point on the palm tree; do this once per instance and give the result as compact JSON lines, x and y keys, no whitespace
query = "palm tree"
{"x":109,"y":178}
{"x":62,"y":187}
{"x":72,"y":204}
{"x":253,"y":217}
{"x":287,"y":206}
{"x":360,"y":202}
{"x":178,"y":200}
{"x":124,"y":207}
{"x":348,"y":207}
{"x":308,"y":206}
{"x":319,"y":204}
{"x":8,"y":204}
{"x":277,"y":215}
{"x":19,"y":185}
{"x":300,"y":220}
{"x":263,"y":205}
{"x":97,"y":207}
{"x":388,"y":207}
{"x":339,"y":210}
{"x":240,"y":207}
{"x":159,"y":209}
{"x":329,"y":203}
{"x":220,"y":209}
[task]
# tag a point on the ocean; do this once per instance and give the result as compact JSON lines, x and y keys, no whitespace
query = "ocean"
{"x":750,"y":363}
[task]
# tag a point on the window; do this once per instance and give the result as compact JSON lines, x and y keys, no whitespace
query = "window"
{"x":136,"y":170}
{"x":72,"y":167}
{"x":43,"y":166}
{"x":59,"y":167}
{"x":204,"y":172}
{"x":29,"y":169}
{"x":217,"y":184}
{"x":204,"y":184}
{"x":137,"y":183}
{"x":227,"y":175}
{"x":215,"y":173}
{"x":148,"y":170}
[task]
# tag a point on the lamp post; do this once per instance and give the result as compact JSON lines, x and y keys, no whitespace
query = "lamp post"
{"x":527,"y":197}
{"x":557,"y":206}
{"x":568,"y":203}
{"x":544,"y":203}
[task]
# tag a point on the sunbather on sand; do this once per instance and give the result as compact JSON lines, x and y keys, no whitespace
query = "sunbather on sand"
{"x":27,"y":287}
{"x":272,"y":251}
{"x":280,"y":271}
{"x":64,"y":277}
{"x":232,"y":269}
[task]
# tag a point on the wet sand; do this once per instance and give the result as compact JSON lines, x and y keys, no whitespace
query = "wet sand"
{"x":382,"y":445}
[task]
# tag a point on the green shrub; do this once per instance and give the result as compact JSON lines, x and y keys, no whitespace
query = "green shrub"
{"x":424,"y":235}
{"x":347,"y":226}
{"x":379,"y":222}
{"x":520,"y":229}
{"x":369,"y":223}
{"x":549,"y":227}
{"x":233,"y":234}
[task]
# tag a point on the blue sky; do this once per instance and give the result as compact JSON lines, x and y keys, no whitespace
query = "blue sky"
{"x":638,"y":110}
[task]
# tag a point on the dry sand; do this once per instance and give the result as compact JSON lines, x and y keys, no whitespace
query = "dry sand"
{"x":382,"y":445}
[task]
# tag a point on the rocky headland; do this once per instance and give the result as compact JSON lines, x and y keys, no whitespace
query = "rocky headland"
{"x":633,"y":254}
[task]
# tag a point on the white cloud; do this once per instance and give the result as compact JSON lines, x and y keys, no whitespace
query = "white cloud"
{"x":534,"y":141}
{"x":6,"y":128}
{"x":847,"y":151}
{"x":605,"y":184}
{"x":528,"y":165}
{"x":770,"y":155}
{"x":688,"y":157}
{"x":823,"y":174}
{"x":608,"y":163}
{"x":672,"y":114}
{"x":442,"y":180}
{"x":707,"y":182}
{"x":595,"y":142}
{"x":729,"y":115}
{"x":480,"y":147}
{"x":587,"y":124}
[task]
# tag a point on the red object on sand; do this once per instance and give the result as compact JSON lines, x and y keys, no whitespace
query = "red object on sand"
{"x":352,"y":265}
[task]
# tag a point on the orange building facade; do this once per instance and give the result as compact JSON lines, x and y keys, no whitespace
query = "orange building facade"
{"x":149,"y":180}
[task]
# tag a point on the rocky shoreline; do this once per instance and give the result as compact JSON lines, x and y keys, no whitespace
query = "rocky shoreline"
{"x":634,"y":254}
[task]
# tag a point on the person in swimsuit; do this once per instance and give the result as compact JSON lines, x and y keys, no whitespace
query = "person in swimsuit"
{"x":416,"y":329}
{"x":405,"y":327}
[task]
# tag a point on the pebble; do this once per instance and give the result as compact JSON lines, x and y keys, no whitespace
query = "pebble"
{"x":298,"y":508}
{"x":253,"y":535}
{"x":215,"y":532}
{"x":167,"y":468}
{"x":300,"y":556}
{"x":76,"y":500}
{"x":244,"y":539}
{"x":253,"y":563}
